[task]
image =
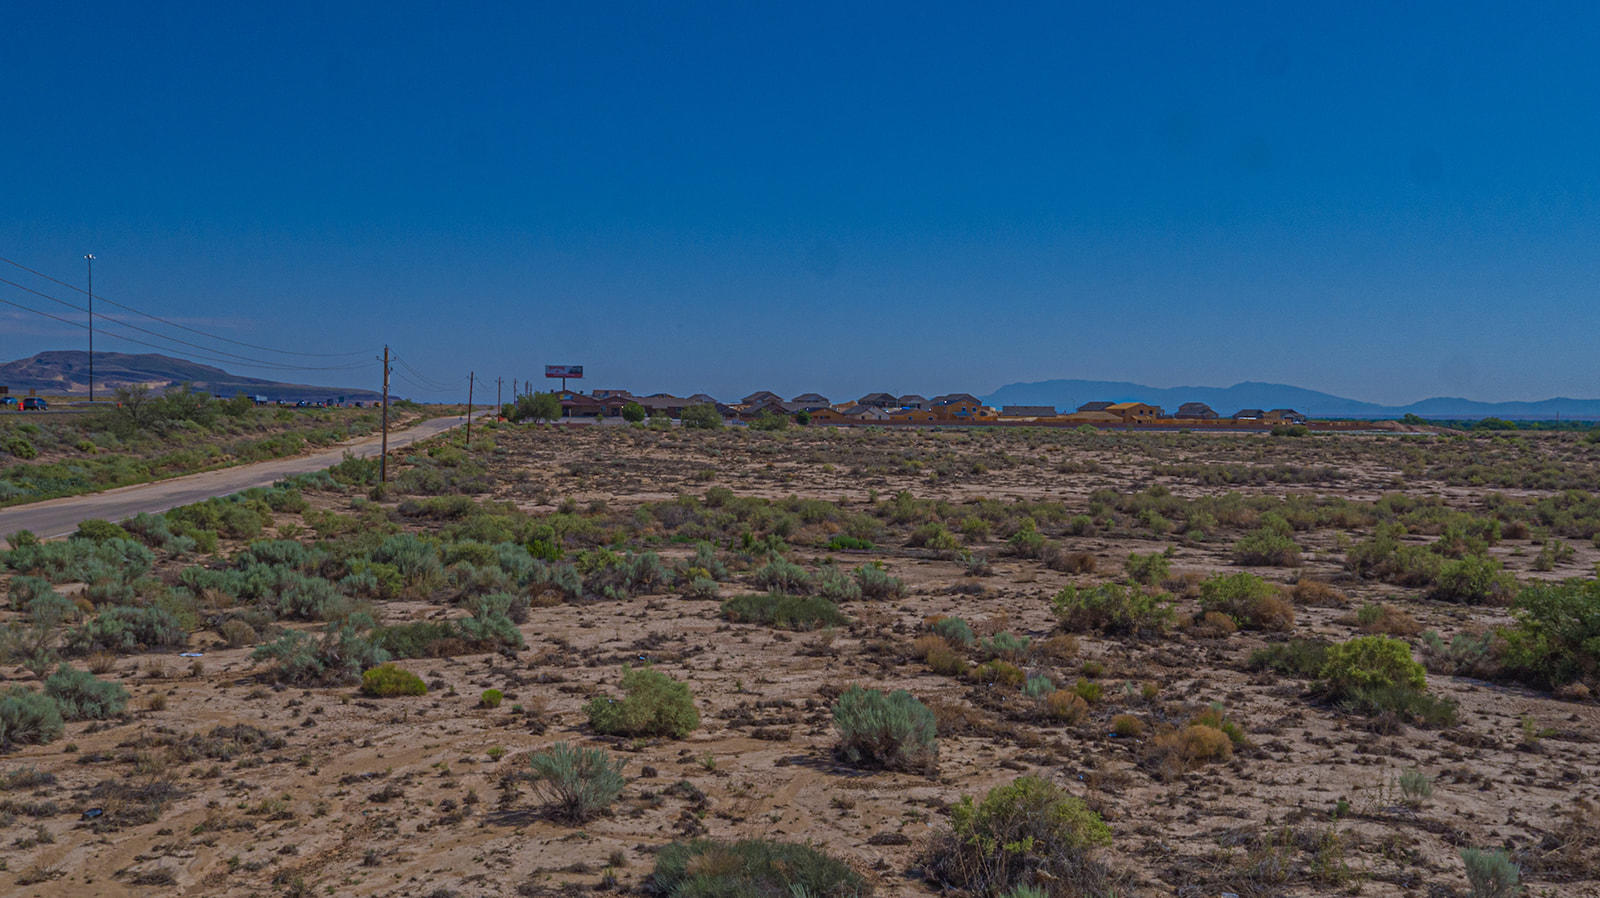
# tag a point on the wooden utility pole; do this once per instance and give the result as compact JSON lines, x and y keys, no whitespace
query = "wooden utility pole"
{"x":497,"y":382}
{"x":513,"y":389}
{"x":471,"y":376}
{"x":383,"y":458}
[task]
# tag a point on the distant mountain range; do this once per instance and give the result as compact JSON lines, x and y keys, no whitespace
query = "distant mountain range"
{"x":1069,"y":394}
{"x":67,"y":372}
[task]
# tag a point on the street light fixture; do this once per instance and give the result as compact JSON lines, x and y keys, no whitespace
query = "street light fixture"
{"x":89,"y":259}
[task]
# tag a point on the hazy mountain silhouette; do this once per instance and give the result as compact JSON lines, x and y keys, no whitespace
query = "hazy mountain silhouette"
{"x":1069,"y":394}
{"x":67,"y":371}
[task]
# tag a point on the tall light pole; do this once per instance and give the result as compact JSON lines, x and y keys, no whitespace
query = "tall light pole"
{"x":89,"y":259}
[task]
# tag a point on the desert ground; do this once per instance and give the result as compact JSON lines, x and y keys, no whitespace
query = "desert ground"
{"x":233,"y":771}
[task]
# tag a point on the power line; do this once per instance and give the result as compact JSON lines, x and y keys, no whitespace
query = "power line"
{"x":196,"y":356}
{"x":326,"y":355}
{"x":161,"y":336}
{"x":435,"y":385}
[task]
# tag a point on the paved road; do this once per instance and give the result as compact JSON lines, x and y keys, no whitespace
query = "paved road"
{"x":59,"y":517}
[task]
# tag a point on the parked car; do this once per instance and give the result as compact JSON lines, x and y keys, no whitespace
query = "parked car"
{"x":8,"y":400}
{"x":34,"y":403}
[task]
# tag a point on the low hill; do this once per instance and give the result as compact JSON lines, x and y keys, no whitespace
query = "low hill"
{"x":1069,"y":394}
{"x":67,"y":372}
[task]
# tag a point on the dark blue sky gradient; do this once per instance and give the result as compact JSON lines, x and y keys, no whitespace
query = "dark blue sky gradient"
{"x":1377,"y":201}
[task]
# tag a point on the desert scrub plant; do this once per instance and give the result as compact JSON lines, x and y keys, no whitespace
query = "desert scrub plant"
{"x":576,"y":783}
{"x":1007,"y":646}
{"x":653,"y":704}
{"x":1066,"y":706}
{"x":386,"y":680}
{"x":955,"y":630}
{"x":81,"y":695}
{"x":1416,"y":787}
{"x":1556,"y":638}
{"x":27,"y":717}
{"x":1113,"y":608}
{"x":1297,"y":657}
{"x":1376,"y":676}
{"x":127,"y":629}
{"x":1473,"y":580}
{"x":1027,"y":541}
{"x":941,"y":658}
{"x":999,"y":673}
{"x":1180,"y":750}
{"x":1147,"y":569}
{"x":892,"y":731}
{"x":836,"y":585}
{"x":1127,"y":726}
{"x":783,"y":611}
{"x":1491,"y":874}
{"x":339,"y":655}
{"x":876,"y":583}
{"x":783,"y":576}
{"x":1268,"y":545}
{"x":757,"y":868}
{"x":1316,"y":592}
{"x":1038,"y":686}
{"x":1251,"y":602}
{"x":1029,"y":832}
{"x":490,"y":698}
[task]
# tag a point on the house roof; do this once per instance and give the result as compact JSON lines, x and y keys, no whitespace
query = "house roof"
{"x":948,"y":398}
{"x":1096,"y":406}
{"x":912,"y":397}
{"x":878,"y":397}
{"x":760,"y":395}
{"x":1283,"y":411}
{"x":811,"y":397}
{"x":1127,"y":406}
{"x":1248,"y":413}
{"x":703,"y":398}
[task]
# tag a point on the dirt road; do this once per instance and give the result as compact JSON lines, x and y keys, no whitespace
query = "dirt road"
{"x":59,"y":517}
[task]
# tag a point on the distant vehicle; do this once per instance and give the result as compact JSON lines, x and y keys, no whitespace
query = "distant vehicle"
{"x":34,"y":403}
{"x":8,"y":400}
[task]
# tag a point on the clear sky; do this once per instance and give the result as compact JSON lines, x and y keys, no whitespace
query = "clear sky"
{"x":1386,"y":201}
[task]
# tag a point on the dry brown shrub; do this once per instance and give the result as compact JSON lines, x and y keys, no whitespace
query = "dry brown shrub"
{"x":101,"y":663}
{"x":1390,"y":621}
{"x":1274,"y":613}
{"x":1316,"y":592}
{"x":1127,"y":726}
{"x":1066,"y":706}
{"x":1058,"y":559}
{"x":1180,"y":750}
{"x":1185,"y":585}
{"x":1061,"y":648}
{"x":928,"y":643}
{"x":1212,"y":624}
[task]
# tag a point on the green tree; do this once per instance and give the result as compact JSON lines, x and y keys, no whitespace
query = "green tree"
{"x":701,"y":417}
{"x":535,"y":407}
{"x":633,"y":413}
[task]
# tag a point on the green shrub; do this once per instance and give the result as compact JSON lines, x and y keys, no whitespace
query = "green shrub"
{"x":1556,"y":638}
{"x":417,"y":639}
{"x":783,"y":611}
{"x":1251,"y":602}
{"x":1147,"y":569}
{"x":81,"y":695}
{"x":779,"y":575}
{"x":653,"y":704}
{"x":999,"y":673}
{"x":753,"y":868}
{"x":1371,"y":662}
{"x":842,"y":542}
{"x":836,"y":585}
{"x":490,"y":698}
{"x":1297,"y":657}
{"x":18,"y":446}
{"x":1029,"y":832}
{"x":340,"y":655}
{"x":99,"y":531}
{"x":1038,"y":687}
{"x":1113,"y":608}
{"x":386,"y":680}
{"x":1473,"y":580}
{"x":955,"y":631}
{"x":1027,"y":542}
{"x":1491,"y":874}
{"x":1268,"y":545}
{"x":876,"y":583}
{"x":127,"y":629}
{"x":633,"y":412}
{"x":893,"y":731}
{"x":1007,"y":646}
{"x":27,"y":718}
{"x":577,"y":783}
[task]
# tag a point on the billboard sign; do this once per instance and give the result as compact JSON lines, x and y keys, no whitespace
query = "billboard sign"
{"x":563,"y":371}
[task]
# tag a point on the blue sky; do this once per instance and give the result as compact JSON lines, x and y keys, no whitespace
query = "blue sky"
{"x":1387,"y":201}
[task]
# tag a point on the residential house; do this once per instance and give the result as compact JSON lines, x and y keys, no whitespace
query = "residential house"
{"x":1196,"y":411}
{"x":1135,"y":412}
{"x":1096,"y":406}
{"x":1249,"y":414}
{"x":1284,"y":416}
{"x":1096,"y":417}
{"x":812,"y":399}
{"x":664,"y":404}
{"x":913,"y":416}
{"x":949,"y":398}
{"x":866,"y":413}
{"x":879,"y":400}
{"x":764,"y":407}
{"x":607,"y":394}
{"x":830,"y":416}
{"x":761,"y":396}
{"x":702,"y":399}
{"x":965,"y":412}
{"x":912,"y":400}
